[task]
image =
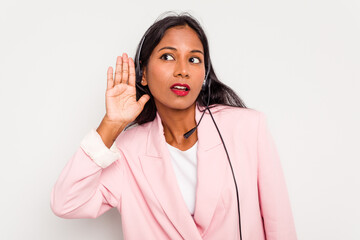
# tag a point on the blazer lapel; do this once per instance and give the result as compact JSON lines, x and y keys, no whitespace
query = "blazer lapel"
{"x":211,"y":168}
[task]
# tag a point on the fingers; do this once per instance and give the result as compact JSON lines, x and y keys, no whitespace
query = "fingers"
{"x":144,"y":98}
{"x":118,"y":70}
{"x":125,"y":69}
{"x":110,"y":81}
{"x":132,"y":77}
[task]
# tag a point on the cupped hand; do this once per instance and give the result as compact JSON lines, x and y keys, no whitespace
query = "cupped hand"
{"x":121,"y":104}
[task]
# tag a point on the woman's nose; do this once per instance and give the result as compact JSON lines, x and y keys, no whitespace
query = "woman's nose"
{"x":181,"y":69}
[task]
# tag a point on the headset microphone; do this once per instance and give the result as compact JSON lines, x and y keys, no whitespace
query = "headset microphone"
{"x":205,"y":84}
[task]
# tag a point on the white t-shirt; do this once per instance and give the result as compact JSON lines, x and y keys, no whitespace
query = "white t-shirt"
{"x":185,"y":167}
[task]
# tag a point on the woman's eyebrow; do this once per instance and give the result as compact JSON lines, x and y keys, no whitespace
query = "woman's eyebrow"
{"x":172,"y":48}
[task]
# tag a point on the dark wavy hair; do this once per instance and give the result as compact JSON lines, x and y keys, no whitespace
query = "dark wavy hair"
{"x":219,"y":92}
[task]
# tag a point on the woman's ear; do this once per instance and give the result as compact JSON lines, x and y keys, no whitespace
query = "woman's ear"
{"x":143,"y":80}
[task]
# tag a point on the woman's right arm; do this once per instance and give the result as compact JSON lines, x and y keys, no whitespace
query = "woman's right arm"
{"x":91,"y":182}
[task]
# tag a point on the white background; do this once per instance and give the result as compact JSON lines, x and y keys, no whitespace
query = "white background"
{"x":296,"y":61}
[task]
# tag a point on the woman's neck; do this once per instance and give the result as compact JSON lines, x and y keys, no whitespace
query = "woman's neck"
{"x":176,"y":123}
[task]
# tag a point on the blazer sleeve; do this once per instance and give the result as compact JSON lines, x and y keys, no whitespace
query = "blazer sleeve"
{"x":274,"y":200}
{"x":91,"y":182}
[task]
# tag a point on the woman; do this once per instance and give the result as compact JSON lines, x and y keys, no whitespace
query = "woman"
{"x":166,"y":185}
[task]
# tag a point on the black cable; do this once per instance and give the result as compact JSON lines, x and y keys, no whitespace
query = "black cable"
{"x":186,"y":135}
{"x":227,"y":154}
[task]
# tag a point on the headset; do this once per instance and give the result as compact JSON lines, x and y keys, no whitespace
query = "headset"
{"x":205,"y":86}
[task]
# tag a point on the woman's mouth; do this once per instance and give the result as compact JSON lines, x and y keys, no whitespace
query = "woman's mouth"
{"x":180,"y":89}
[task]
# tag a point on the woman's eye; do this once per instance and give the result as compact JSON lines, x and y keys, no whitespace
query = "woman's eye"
{"x":195,"y":60}
{"x":166,"y":57}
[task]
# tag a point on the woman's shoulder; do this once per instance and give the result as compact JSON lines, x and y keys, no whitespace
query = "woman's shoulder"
{"x":237,"y":119}
{"x":234,"y":113}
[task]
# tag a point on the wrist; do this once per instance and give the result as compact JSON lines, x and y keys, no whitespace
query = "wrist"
{"x":112,"y":124}
{"x":110,"y":130}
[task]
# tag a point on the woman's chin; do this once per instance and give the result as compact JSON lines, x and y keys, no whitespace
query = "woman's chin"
{"x":178,"y":104}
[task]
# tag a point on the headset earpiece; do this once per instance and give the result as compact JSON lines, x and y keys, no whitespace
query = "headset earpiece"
{"x":204,"y":85}
{"x":206,"y":82}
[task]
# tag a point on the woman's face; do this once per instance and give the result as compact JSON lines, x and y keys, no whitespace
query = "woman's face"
{"x":176,"y":69}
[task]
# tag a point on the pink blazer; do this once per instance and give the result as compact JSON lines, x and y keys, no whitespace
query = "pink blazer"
{"x":142,"y":184}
